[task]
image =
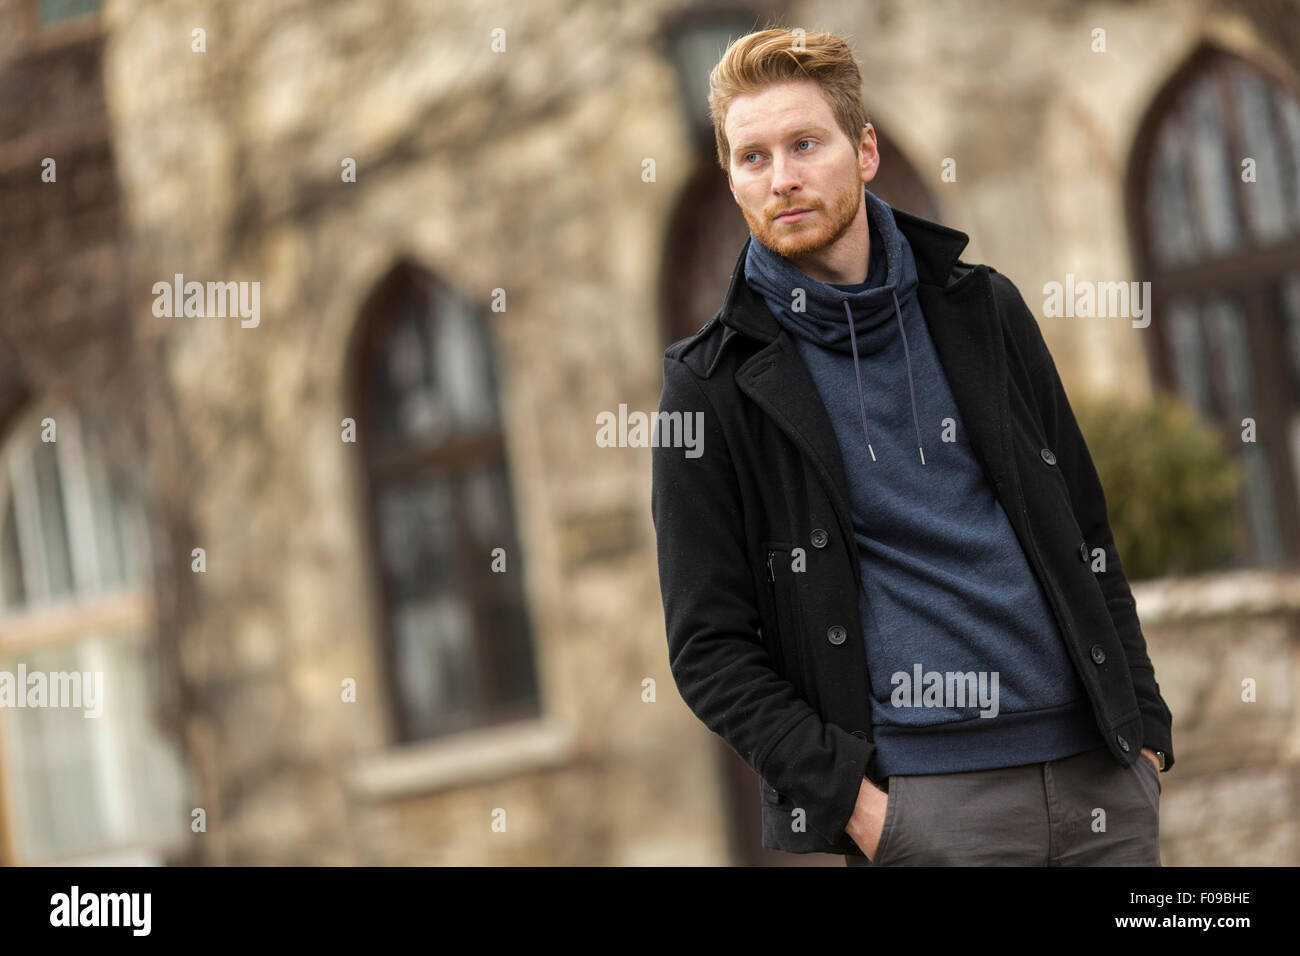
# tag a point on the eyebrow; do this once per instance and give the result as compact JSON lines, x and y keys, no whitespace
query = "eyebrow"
{"x":740,"y":150}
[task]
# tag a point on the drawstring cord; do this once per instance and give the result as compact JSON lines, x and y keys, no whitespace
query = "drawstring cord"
{"x":911,"y":387}
{"x":862,"y":405}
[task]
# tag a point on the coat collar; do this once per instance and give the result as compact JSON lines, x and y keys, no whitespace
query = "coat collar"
{"x":935,"y":248}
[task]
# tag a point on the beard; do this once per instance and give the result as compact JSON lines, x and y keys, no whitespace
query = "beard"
{"x":819,"y":229}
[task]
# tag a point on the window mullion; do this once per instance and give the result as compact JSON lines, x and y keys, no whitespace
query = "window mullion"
{"x":31,"y":545}
{"x":76,"y":501}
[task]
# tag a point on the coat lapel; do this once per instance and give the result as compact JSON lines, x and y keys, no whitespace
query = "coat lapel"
{"x":778,"y":381}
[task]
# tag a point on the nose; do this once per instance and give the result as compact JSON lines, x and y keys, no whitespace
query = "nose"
{"x":784,"y":177}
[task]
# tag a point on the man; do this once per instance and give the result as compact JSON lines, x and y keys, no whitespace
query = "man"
{"x":889,"y":580}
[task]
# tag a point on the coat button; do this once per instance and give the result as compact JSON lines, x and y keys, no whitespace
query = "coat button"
{"x":1123,"y":744}
{"x":1084,"y":554}
{"x":1047,"y":456}
{"x":860,"y":733}
{"x":819,"y":538}
{"x":836,"y":634}
{"x":1098,"y":655}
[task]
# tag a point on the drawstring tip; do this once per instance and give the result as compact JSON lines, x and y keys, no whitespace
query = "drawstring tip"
{"x":922,"y":451}
{"x":873,"y":454}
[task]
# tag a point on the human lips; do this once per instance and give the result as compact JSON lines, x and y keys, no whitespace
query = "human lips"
{"x":793,"y":215}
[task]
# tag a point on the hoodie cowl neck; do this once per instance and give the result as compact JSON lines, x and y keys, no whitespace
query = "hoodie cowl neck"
{"x":824,"y":319}
{"x":859,"y":323}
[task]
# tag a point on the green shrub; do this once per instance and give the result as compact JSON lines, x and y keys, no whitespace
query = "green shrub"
{"x":1171,"y":488}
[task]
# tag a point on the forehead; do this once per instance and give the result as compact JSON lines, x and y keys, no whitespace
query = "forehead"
{"x":776,"y":109}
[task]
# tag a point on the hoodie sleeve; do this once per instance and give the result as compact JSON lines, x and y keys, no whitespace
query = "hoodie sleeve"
{"x":1089,"y":505}
{"x":715,"y":652}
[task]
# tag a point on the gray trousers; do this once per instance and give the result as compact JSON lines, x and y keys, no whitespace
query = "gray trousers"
{"x":1084,"y":810}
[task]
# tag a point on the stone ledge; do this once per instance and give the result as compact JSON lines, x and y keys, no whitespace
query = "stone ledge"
{"x":1199,"y":597}
{"x":476,"y":756}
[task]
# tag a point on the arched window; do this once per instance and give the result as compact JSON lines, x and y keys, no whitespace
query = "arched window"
{"x":1214,"y":205}
{"x":457,"y":639}
{"x":75,"y":618}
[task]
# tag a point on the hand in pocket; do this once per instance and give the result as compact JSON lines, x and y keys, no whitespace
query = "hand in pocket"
{"x":866,"y":826}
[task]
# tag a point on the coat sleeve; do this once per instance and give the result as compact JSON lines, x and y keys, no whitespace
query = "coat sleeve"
{"x":715,"y":651}
{"x":1089,"y":505}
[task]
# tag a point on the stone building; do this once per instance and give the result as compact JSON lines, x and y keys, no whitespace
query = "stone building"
{"x":334,"y":524}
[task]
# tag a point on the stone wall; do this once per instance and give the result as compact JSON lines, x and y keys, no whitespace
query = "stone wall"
{"x":1232,"y":796}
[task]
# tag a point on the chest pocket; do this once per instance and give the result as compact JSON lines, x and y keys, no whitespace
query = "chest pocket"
{"x":788,"y":645}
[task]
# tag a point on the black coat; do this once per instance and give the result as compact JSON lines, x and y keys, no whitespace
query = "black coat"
{"x":773,"y":661}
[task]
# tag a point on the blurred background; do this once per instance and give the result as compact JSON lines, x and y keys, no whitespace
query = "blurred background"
{"x":475,"y":226}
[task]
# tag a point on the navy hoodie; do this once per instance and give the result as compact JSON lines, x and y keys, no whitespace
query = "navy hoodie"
{"x":967,"y":667}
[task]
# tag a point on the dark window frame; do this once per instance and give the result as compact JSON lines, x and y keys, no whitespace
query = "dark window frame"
{"x":454,"y":461}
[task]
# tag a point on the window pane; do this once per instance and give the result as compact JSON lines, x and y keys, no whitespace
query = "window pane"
{"x":1191,"y":368}
{"x":53,"y":483}
{"x":79,"y":784}
{"x":432,"y":623}
{"x":53,"y":520}
{"x":1215,"y":177}
{"x":419,"y":407}
{"x":1288,"y":108}
{"x":13,"y":593}
{"x":506,"y":642}
{"x":50,"y":769}
{"x":435,"y":663}
{"x":416,"y":538}
{"x":112,"y":525}
{"x":462,"y":643}
{"x":465,"y":369}
{"x":1290,"y":294}
{"x":487,"y":510}
{"x":1172,"y":217}
{"x":1266,"y":201}
{"x":1226,"y":326}
{"x":1225,"y":323}
{"x":433,"y":374}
